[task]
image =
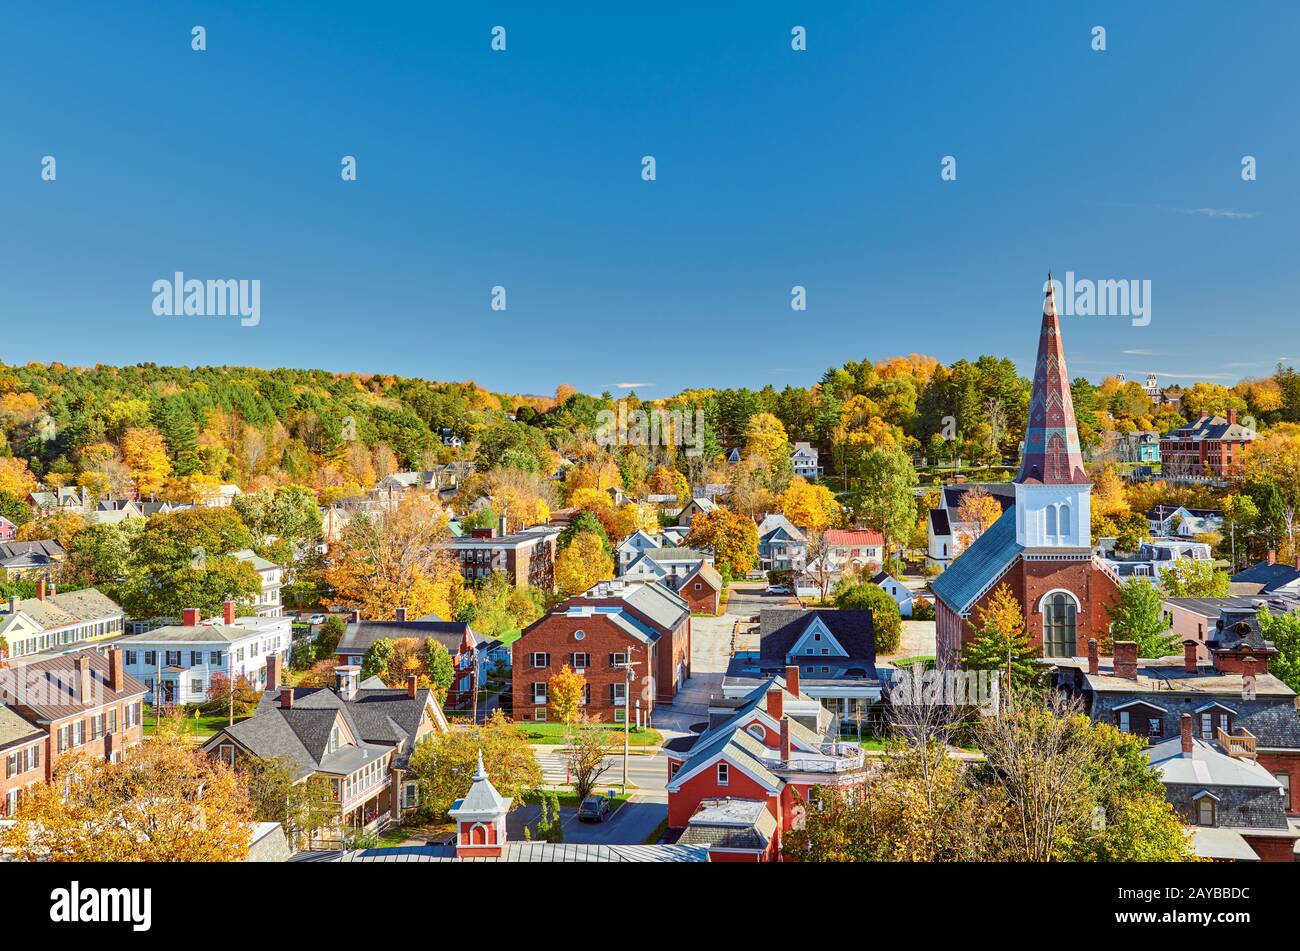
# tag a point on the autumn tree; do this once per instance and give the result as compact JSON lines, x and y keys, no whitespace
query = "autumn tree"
{"x":444,"y":764}
{"x":587,"y":757}
{"x":1192,"y":578}
{"x":1275,"y":459}
{"x":1002,"y":644}
{"x":303,"y":807}
{"x":977,"y":511}
{"x":765,"y":436}
{"x":145,"y":454}
{"x":164,"y":801}
{"x":583,"y":563}
{"x":564,"y":694}
{"x":397,"y":557}
{"x":15,"y":477}
{"x":808,"y":506}
{"x":732,"y":536}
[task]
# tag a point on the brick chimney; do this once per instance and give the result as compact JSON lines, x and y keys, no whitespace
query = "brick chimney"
{"x":286,"y":697}
{"x":1248,"y":677}
{"x":228,"y":612}
{"x":1187,"y":734}
{"x":273,"y":663}
{"x":116,"y":680}
{"x":792,"y":679}
{"x":775,"y":703}
{"x":785,"y":739}
{"x":40,"y":590}
{"x":1232,"y":417}
{"x":81,"y":682}
{"x":412,"y":684}
{"x":401,"y":615}
{"x":1271,"y":557}
{"x":190,"y":617}
{"x":1092,"y":655}
{"x":1189,"y":656}
{"x":1125,"y":657}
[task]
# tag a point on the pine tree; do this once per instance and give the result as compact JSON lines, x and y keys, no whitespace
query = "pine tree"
{"x":178,"y":431}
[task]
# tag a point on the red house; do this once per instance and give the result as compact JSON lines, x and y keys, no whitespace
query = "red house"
{"x":599,"y":634}
{"x":750,"y":778}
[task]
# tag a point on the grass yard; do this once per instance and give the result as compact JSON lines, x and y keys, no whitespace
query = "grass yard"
{"x":200,"y":727}
{"x":901,"y":662}
{"x":551,"y":734}
{"x":509,"y":637}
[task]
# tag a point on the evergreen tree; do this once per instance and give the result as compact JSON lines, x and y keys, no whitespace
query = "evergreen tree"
{"x":1001,"y":642}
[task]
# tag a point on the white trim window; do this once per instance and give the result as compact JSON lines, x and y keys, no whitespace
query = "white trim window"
{"x":724,"y":774}
{"x":540,"y":659}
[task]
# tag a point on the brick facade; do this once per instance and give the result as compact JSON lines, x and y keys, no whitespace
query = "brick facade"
{"x":555,"y":636}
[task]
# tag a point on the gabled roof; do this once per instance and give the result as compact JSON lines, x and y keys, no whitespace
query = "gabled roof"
{"x":47,"y":547}
{"x":1272,"y":576}
{"x":707,"y":573}
{"x":843,"y":538}
{"x":979,"y":566}
{"x":672,"y":553}
{"x":776,"y":522}
{"x":14,"y":729}
{"x":780,"y":630}
{"x":48,"y":688}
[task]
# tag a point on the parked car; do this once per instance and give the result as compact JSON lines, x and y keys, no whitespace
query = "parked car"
{"x":778,"y":589}
{"x":595,"y":808}
{"x":318,"y":619}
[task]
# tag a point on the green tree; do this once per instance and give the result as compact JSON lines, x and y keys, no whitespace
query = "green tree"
{"x":327,"y":639}
{"x":374,"y":663}
{"x":1139,"y":616}
{"x":864,"y":596}
{"x":1186,"y":578}
{"x":884,"y":499}
{"x":438,"y":666}
{"x":303,"y":808}
{"x":1284,"y":631}
{"x":184,"y":560}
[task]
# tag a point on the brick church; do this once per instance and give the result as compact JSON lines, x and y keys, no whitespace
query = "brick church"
{"x":1041,"y":547}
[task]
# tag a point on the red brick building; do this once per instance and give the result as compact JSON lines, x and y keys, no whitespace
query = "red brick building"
{"x":749,"y":779}
{"x":1212,"y":445}
{"x":80,"y":703}
{"x":599,"y":634}
{"x":1041,"y":547}
{"x":525,"y":557}
{"x":702,"y":589}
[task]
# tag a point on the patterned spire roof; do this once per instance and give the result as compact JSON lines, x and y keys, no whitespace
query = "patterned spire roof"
{"x":1051,"y":455}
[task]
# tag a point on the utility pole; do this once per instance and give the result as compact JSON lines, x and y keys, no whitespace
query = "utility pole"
{"x":628,"y":677}
{"x":474,"y":686}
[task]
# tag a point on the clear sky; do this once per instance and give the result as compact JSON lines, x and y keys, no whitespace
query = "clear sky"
{"x":523,"y":169}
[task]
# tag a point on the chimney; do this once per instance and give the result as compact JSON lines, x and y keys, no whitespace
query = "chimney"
{"x":412,"y":684}
{"x":81,"y":684}
{"x":40,"y":590}
{"x":792,"y":679}
{"x":401,"y":615}
{"x":1271,"y":557}
{"x":190,"y":617}
{"x":1248,"y":676}
{"x":345,"y":681}
{"x":286,"y":697}
{"x":273,"y":671}
{"x":775,"y":703}
{"x":115,"y":679}
{"x":1092,"y":655}
{"x":13,"y":604}
{"x":501,"y":527}
{"x":1125,"y":657}
{"x":228,"y":611}
{"x":1187,"y":734}
{"x":1189,"y":656}
{"x":785,"y":739}
{"x":1232,"y":417}
{"x":356,"y":615}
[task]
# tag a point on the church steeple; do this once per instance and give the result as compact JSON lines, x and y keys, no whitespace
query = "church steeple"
{"x":1053,"y":494}
{"x":1052,"y":455}
{"x":480,"y":818}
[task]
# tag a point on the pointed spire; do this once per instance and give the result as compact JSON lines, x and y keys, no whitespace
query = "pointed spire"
{"x":480,"y":774}
{"x":1052,"y":455}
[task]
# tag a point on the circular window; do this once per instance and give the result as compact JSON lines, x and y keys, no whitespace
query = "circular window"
{"x":757,"y":731}
{"x":579,"y":635}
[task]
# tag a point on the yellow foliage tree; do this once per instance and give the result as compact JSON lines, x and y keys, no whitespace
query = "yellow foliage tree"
{"x":582,"y":564}
{"x":15,"y":477}
{"x":564,"y":692}
{"x":765,"y":436}
{"x":145,"y":454}
{"x":809,"y":506}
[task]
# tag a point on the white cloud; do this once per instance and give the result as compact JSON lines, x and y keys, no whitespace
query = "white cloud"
{"x":1219,"y":213}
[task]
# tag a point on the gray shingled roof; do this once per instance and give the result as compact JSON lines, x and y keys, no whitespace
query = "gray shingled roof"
{"x":14,"y":729}
{"x":730,"y":824}
{"x":780,"y":629}
{"x":972,"y":572}
{"x":360,"y":635}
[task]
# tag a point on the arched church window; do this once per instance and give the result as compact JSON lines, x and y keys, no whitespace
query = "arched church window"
{"x":1051,"y":520}
{"x":1065,"y":521}
{"x":1060,"y":616}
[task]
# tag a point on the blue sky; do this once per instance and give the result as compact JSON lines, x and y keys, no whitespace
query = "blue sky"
{"x":522,"y":169}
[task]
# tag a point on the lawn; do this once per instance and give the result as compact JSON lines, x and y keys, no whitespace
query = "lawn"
{"x":509,"y":637}
{"x":901,"y":662}
{"x":200,"y":727}
{"x":554,"y":733}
